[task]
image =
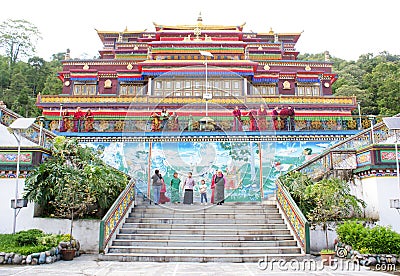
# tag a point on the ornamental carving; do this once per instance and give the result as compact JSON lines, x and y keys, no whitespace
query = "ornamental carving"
{"x":129,"y":66}
{"x":86,"y":67}
{"x":307,"y":68}
{"x":266,"y":67}
{"x":107,"y":83}
{"x":286,"y":85}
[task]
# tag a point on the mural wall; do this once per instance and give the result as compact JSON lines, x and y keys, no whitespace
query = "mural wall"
{"x":239,"y":161}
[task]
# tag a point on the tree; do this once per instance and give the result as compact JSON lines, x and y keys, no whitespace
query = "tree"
{"x":73,"y":182}
{"x":18,"y":38}
{"x":332,"y":202}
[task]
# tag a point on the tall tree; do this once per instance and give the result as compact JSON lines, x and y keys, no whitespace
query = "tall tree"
{"x":18,"y":39}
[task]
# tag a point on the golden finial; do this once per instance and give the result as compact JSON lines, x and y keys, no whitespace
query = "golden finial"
{"x":271,"y":31}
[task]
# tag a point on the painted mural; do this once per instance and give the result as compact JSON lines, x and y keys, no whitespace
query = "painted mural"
{"x":239,"y":161}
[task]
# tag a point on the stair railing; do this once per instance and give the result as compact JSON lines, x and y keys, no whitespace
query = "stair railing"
{"x":115,"y":215}
{"x":297,"y":221}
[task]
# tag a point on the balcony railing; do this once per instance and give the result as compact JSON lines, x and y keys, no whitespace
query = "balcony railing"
{"x":200,"y":123}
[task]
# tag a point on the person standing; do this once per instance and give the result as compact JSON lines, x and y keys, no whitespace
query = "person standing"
{"x":219,"y":188}
{"x":283,"y":114}
{"x":78,"y":119}
{"x":175,"y":184}
{"x":188,"y":187}
{"x":253,"y":122}
{"x":163,"y":197}
{"x":155,"y":122}
{"x":237,"y":119}
{"x":275,"y":116}
{"x":203,"y":192}
{"x":157,"y":183}
{"x":213,"y":187}
{"x":262,"y":121}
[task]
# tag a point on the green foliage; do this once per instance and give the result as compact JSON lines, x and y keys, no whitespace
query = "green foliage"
{"x":29,"y":237}
{"x":30,"y":241}
{"x":296,"y":183}
{"x":327,"y":251}
{"x":381,"y":240}
{"x":352,"y":233}
{"x":376,"y":240}
{"x":74,"y":181}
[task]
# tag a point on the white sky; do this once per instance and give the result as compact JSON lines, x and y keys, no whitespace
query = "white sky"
{"x":346,"y":28}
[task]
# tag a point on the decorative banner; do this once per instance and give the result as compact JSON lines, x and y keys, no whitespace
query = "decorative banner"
{"x":11,"y":158}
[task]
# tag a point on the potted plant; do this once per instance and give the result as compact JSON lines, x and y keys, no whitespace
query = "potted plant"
{"x":327,"y":256}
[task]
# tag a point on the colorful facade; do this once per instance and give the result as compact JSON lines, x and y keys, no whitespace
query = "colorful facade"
{"x":140,"y":72}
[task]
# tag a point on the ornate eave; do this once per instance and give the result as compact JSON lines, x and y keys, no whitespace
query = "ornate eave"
{"x":160,"y":27}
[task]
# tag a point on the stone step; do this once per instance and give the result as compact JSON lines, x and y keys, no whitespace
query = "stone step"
{"x":205,"y":250}
{"x":208,"y":237}
{"x":201,"y":258}
{"x":204,"y":215}
{"x":207,"y":220}
{"x":210,"y":231}
{"x":160,"y":210}
{"x":202,"y":226}
{"x":205,"y":207}
{"x":202,"y":243}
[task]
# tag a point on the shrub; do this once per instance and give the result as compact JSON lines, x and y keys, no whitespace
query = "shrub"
{"x":352,"y":233}
{"x":376,"y":240}
{"x":49,"y":240}
{"x":28,"y":237}
{"x":382,"y":240}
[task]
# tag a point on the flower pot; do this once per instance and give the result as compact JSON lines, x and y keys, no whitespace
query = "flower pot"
{"x":327,"y":258}
{"x":68,"y":254}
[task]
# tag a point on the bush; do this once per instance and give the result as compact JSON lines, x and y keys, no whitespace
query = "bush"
{"x":376,"y":240}
{"x":382,"y":240}
{"x":29,"y":237}
{"x":352,"y":233}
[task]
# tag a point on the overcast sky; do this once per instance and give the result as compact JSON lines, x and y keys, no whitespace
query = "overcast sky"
{"x":346,"y":28}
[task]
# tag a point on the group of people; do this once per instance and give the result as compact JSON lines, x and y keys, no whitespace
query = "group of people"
{"x":77,"y":121}
{"x":281,"y":119}
{"x":218,"y":183}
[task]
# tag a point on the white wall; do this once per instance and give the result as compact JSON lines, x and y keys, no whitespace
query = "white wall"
{"x":377,"y":192}
{"x":86,"y":231}
{"x":318,"y":239}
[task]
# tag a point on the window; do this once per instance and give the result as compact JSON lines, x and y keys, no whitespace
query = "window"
{"x":127,"y":89}
{"x":168,"y":85}
{"x":178,"y":85}
{"x":84,"y":89}
{"x":197,"y":85}
{"x":158,"y":85}
{"x":236,"y":85}
{"x":308,"y":90}
{"x":226,"y":85}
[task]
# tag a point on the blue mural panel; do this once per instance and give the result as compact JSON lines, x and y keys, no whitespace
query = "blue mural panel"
{"x":239,"y":161}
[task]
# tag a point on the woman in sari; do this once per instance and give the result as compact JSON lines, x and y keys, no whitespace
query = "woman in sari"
{"x":163,"y":197}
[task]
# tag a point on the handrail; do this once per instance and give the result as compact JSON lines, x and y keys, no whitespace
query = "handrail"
{"x":293,"y":214}
{"x":115,"y":215}
{"x":34,"y":133}
{"x":351,"y":144}
{"x":145,"y":122}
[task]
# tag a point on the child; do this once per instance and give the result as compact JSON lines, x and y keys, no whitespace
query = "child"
{"x":203,"y":192}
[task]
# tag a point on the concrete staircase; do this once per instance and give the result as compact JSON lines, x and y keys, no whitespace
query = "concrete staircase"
{"x":233,"y":232}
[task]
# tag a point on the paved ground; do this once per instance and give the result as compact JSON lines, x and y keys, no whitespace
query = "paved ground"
{"x":89,"y":265}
